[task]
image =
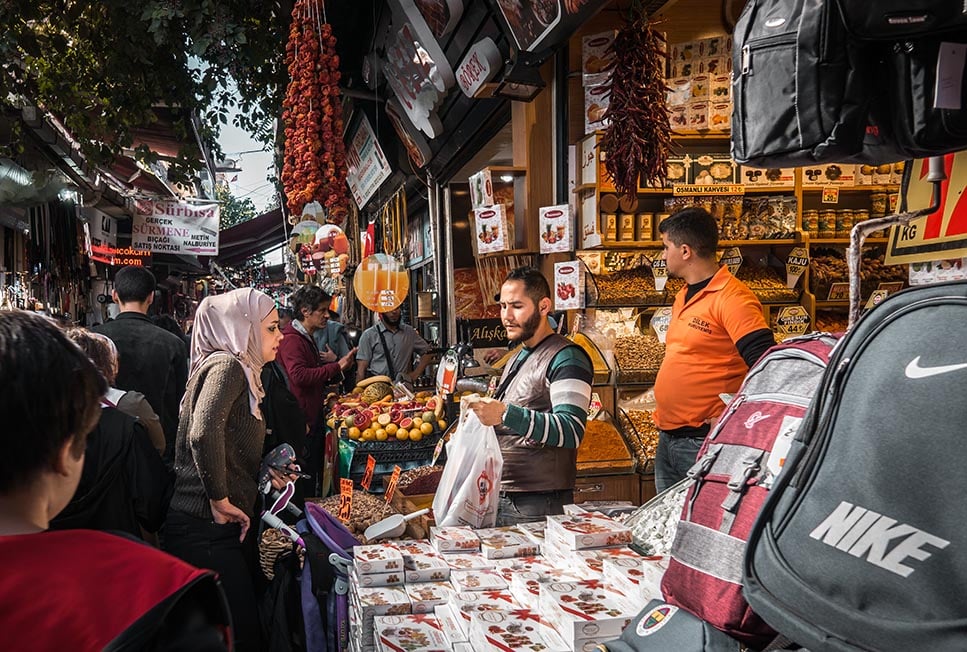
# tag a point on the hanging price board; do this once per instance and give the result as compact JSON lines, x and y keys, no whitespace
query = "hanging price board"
{"x":345,"y":499}
{"x":796,"y":264}
{"x":732,"y":258}
{"x":838,"y":292}
{"x":791,"y":321}
{"x":368,"y":475}
{"x":659,"y":270}
{"x":876,"y":298}
{"x":660,"y":322}
{"x":381,"y":283}
{"x":830,"y":195}
{"x":393,"y":481}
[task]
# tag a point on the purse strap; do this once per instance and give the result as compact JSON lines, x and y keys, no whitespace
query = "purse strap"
{"x":389,"y":358}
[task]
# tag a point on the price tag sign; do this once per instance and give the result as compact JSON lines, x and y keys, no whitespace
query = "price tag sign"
{"x":660,"y":322}
{"x":393,"y":481}
{"x":838,"y":292}
{"x":876,"y":298}
{"x":345,"y":499}
{"x":659,"y":270}
{"x":368,"y":475}
{"x":595,"y":406}
{"x":796,"y":264}
{"x":732,"y":258}
{"x":891,"y":287}
{"x":830,"y":195}
{"x":791,"y":321}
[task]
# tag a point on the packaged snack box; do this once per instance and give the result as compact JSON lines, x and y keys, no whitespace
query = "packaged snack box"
{"x":535,"y":531}
{"x":464,"y":605}
{"x":596,"y":59}
{"x":380,"y":558}
{"x":501,"y":543}
{"x":507,"y":630}
{"x":393,"y":578}
{"x":467,"y":561}
{"x":485,"y":579}
{"x":586,"y":609}
{"x":556,"y":228}
{"x":491,"y":229}
{"x":414,"y":548}
{"x":380,"y":601}
{"x":415,"y":633}
{"x":427,"y":595}
{"x":454,"y":539}
{"x":591,"y":530}
{"x":426,"y":568}
{"x":639,"y":578}
{"x":452,"y":629}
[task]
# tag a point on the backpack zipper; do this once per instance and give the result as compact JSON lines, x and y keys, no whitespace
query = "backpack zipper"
{"x":765,"y":43}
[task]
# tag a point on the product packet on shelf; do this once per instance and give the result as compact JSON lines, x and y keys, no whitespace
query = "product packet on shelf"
{"x":591,"y":530}
{"x":427,"y":595}
{"x":467,"y":561}
{"x":426,"y":568}
{"x":639,"y":579}
{"x":507,"y":630}
{"x":454,"y":539}
{"x":485,"y":579}
{"x":393,"y":578}
{"x":464,"y":605}
{"x":452,"y":629}
{"x":501,"y":543}
{"x":586,"y":610}
{"x":377,"y":558}
{"x":415,"y":633}
{"x":533,"y":531}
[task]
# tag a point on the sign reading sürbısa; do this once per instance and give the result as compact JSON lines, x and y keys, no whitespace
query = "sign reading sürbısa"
{"x":366,"y":163}
{"x":176,"y":227}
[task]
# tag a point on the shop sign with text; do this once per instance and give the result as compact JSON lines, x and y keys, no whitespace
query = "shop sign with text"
{"x":486,"y":333}
{"x":479,"y":67}
{"x":367,"y":165}
{"x":176,"y":227}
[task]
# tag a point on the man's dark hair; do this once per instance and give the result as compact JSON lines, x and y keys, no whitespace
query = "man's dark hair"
{"x":310,"y":297}
{"x":535,"y":285}
{"x":51,"y":394}
{"x":95,"y":348}
{"x":285,"y":312}
{"x":695,"y":227}
{"x":168,"y":323}
{"x":134,"y":284}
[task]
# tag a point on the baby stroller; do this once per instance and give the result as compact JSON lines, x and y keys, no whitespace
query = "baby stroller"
{"x":325,"y":580}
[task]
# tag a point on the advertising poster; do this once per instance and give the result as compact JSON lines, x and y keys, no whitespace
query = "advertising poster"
{"x":176,"y":227}
{"x":367,"y":164}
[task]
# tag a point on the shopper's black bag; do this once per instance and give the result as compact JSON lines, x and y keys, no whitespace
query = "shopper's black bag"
{"x":800,"y":88}
{"x":661,"y":627}
{"x":902,"y":19}
{"x":860,"y":545}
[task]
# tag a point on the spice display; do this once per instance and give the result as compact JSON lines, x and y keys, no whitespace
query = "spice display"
{"x":314,"y":162}
{"x":638,"y":138}
{"x":367,"y":509}
{"x":642,"y":433}
{"x":602,"y":443}
{"x":638,"y":358}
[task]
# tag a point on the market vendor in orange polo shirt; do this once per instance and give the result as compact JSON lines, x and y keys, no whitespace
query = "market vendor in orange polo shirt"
{"x":717,"y":332}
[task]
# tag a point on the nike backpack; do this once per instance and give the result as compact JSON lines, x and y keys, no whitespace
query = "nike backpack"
{"x":737,"y":464}
{"x":860,"y":545}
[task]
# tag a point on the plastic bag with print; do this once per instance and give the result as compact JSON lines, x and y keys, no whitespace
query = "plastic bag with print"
{"x":469,"y":490}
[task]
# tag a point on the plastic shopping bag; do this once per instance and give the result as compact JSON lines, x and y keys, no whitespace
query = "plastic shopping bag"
{"x":469,"y":490}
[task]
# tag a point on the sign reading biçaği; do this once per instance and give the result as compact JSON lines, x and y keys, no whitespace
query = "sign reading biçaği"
{"x":176,"y":227}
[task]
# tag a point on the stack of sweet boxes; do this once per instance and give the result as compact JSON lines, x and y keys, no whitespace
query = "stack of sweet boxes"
{"x":700,"y":88}
{"x":482,"y":590}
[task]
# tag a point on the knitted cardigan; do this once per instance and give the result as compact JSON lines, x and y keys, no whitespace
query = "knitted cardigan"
{"x":219,"y":444}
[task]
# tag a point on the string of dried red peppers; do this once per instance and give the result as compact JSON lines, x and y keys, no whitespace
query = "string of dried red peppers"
{"x":638,"y":138}
{"x":314,"y":163}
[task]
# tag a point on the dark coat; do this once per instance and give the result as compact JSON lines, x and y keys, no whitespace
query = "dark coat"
{"x":153,"y":362}
{"x":309,"y":377}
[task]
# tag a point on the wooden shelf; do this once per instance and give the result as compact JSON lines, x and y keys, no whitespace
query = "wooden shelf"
{"x":845,"y":241}
{"x":749,"y":190}
{"x":584,"y":187}
{"x":509,"y":252}
{"x":657,"y":244}
{"x":852,"y":188}
{"x":701,"y":134}
{"x":840,"y":303}
{"x":507,"y":169}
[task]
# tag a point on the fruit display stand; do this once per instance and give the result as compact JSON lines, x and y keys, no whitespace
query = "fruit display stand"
{"x":405,"y":454}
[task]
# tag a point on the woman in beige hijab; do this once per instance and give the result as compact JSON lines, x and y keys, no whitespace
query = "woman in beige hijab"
{"x":217,"y":452}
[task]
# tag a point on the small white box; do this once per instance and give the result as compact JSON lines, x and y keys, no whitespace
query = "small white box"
{"x":484,"y":579}
{"x":507,"y":630}
{"x":596,"y":59}
{"x":569,"y":285}
{"x":481,"y":189}
{"x":379,"y":558}
{"x":697,"y":115}
{"x":452,"y":629}
{"x":501,"y":543}
{"x":597,"y":99}
{"x":426,"y":568}
{"x":491,"y":229}
{"x":424,"y":597}
{"x":556,"y":229}
{"x":591,"y":530}
{"x":464,"y":605}
{"x":586,"y":609}
{"x":393,"y":578}
{"x":467,"y":561}
{"x":417,"y":633}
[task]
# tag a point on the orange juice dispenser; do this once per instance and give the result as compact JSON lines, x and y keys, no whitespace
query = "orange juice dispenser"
{"x":381,"y":283}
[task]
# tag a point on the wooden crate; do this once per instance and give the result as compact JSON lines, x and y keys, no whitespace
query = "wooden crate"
{"x":625,"y":486}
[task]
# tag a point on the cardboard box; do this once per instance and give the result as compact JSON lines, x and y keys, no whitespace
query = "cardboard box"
{"x":378,"y":558}
{"x":715,"y":66}
{"x":591,"y":530}
{"x":502,"y":543}
{"x":700,"y":89}
{"x":464,"y":605}
{"x":448,"y":623}
{"x":596,"y":60}
{"x":484,"y":579}
{"x":424,"y":597}
{"x":525,"y":586}
{"x":830,"y":174}
{"x":535,"y":531}
{"x":639,"y":579}
{"x":426,"y":568}
{"x":481,"y":189}
{"x":556,"y":227}
{"x":507,"y":630}
{"x":683,"y":68}
{"x":720,"y":88}
{"x":585,"y":609}
{"x":720,"y":116}
{"x":412,"y":547}
{"x":714,"y":169}
{"x":454,"y":539}
{"x":419,"y":633}
{"x":380,"y":601}
{"x":568,"y":285}
{"x":597,"y":99}
{"x":697,"y":115}
{"x":393,"y":578}
{"x":679,"y":91}
{"x":490,"y":229}
{"x":467,"y":561}
{"x":768,"y":177}
{"x":678,"y":117}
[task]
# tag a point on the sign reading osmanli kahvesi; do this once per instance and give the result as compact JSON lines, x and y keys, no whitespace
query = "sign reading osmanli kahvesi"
{"x":176,"y":227}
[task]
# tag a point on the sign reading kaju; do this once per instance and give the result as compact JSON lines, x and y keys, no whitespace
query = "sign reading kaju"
{"x":791,"y":321}
{"x":555,"y":229}
{"x":796,"y":264}
{"x":659,"y":270}
{"x":732,"y":258}
{"x":660,"y":322}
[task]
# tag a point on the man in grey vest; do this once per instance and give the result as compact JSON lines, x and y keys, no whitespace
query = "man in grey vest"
{"x":540,"y":407}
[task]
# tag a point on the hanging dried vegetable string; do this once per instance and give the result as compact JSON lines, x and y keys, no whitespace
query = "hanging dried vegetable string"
{"x":638,"y":138}
{"x":314,"y":163}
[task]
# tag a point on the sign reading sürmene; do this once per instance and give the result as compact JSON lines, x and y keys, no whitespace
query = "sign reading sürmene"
{"x":176,"y":227}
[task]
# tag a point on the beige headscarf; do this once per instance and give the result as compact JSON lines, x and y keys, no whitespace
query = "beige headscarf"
{"x":231,"y":323}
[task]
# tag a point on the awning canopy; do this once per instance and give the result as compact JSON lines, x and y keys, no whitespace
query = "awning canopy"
{"x":242,"y":241}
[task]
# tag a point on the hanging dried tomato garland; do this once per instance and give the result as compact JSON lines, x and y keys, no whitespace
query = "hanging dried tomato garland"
{"x":314,"y":163}
{"x":638,"y":139}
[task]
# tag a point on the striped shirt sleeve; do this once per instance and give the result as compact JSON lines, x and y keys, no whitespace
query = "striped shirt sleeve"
{"x":570,"y":376}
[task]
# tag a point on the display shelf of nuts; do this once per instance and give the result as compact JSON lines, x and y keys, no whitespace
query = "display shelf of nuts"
{"x":828,"y":266}
{"x":366,"y":510}
{"x":767,"y":284}
{"x":637,"y":358}
{"x":633,"y":287}
{"x":831,"y":321}
{"x":602,"y":372}
{"x":641,"y":434}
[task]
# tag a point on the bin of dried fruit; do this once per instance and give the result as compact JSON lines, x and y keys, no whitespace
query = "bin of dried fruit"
{"x":603,"y":449}
{"x":602,"y":372}
{"x":637,"y":358}
{"x":642,"y":434}
{"x":767,"y":284}
{"x":366,"y":510}
{"x":831,"y":321}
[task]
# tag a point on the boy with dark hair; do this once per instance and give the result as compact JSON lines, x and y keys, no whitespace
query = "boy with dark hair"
{"x":717,"y":332}
{"x":152,"y":360}
{"x":100,"y":591}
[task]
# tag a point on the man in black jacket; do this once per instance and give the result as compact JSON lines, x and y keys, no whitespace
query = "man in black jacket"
{"x":152,"y":360}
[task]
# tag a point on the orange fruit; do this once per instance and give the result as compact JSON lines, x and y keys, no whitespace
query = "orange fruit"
{"x":369,"y":434}
{"x":402,"y":434}
{"x":381,"y":435}
{"x":416,"y":435}
{"x":391,"y":429}
{"x":417,"y":422}
{"x":441,"y":424}
{"x":426,"y":428}
{"x":354,"y":433}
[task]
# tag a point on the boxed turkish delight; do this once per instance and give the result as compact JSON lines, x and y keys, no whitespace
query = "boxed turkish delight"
{"x":427,"y":595}
{"x":525,"y":586}
{"x":484,"y":579}
{"x":452,"y":629}
{"x":586,"y":609}
{"x":501,"y":543}
{"x":378,"y":558}
{"x":413,"y":547}
{"x":591,"y":530}
{"x":393,"y":578}
{"x":465,"y":604}
{"x":533,"y":531}
{"x":414,"y":633}
{"x":454,"y":539}
{"x":639,"y":578}
{"x":467,"y":561}
{"x":507,"y":630}
{"x":380,"y":601}
{"x":508,"y":567}
{"x":426,"y":568}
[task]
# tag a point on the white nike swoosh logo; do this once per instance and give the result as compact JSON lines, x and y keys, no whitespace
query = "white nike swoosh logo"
{"x":914,"y":370}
